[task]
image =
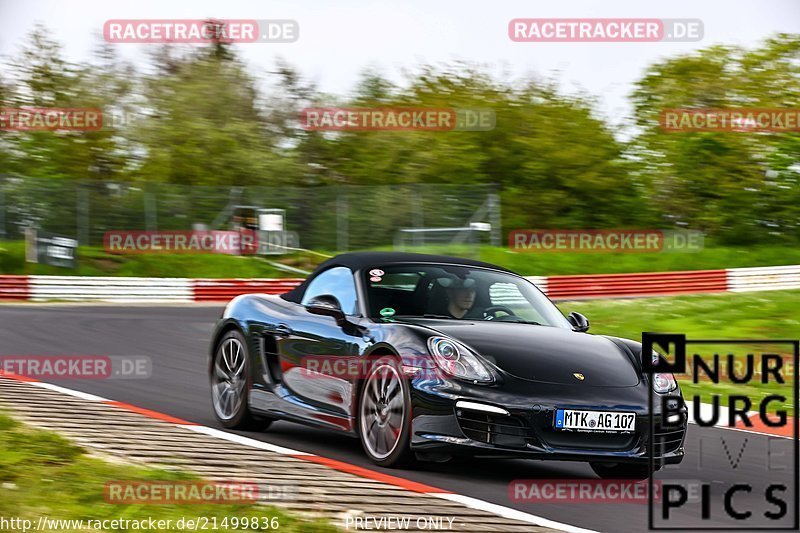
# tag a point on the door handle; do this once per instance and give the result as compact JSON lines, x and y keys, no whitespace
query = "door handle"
{"x":282,"y":330}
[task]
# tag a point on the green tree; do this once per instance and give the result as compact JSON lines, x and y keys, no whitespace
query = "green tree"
{"x":741,"y":186}
{"x":554,"y":162}
{"x":43,"y":78}
{"x":203,"y":124}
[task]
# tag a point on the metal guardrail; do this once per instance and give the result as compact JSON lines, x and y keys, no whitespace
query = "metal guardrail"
{"x":645,"y":284}
{"x":14,"y":288}
{"x":114,"y":289}
{"x":764,"y":278}
{"x":225,"y":289}
{"x":121,"y":289}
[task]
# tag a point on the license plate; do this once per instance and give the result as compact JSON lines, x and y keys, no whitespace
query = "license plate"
{"x":596,"y":421}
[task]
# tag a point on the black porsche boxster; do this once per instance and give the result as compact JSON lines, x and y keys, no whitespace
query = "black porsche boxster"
{"x":426,"y":357}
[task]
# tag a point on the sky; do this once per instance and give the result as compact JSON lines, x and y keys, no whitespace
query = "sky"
{"x":339,"y":40}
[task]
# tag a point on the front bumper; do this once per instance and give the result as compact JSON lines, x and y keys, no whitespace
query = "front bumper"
{"x":439,"y":427}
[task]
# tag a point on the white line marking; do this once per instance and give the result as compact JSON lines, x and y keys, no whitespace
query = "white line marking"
{"x":507,"y":512}
{"x":70,"y":392}
{"x":247,"y":441}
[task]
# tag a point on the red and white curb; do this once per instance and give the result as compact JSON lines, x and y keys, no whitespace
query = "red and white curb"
{"x":421,"y":488}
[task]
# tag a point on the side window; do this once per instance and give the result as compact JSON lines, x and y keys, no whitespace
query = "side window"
{"x":337,"y":281}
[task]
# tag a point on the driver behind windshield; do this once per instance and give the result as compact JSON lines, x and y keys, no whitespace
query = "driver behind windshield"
{"x":460,"y":296}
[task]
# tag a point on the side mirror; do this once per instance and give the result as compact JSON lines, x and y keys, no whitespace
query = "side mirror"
{"x":327,"y":305}
{"x":578,"y":321}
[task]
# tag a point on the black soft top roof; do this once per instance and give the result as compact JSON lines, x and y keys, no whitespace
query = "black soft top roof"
{"x":358,"y":260}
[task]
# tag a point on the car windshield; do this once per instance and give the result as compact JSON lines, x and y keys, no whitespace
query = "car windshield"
{"x":458,"y":293}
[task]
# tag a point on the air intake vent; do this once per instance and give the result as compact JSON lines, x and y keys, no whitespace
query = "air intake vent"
{"x":500,"y":430}
{"x":668,"y":439}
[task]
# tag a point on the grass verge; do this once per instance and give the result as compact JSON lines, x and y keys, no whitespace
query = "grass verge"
{"x":712,"y":257}
{"x":45,"y":475}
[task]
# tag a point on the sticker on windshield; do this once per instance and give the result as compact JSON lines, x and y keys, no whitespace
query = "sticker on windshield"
{"x":387,"y":311}
{"x":376,"y":272}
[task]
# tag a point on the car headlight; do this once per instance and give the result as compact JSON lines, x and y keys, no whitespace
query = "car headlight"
{"x":663,"y":383}
{"x":457,"y":360}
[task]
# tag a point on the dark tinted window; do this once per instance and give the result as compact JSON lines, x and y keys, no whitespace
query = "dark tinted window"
{"x":456,"y":291}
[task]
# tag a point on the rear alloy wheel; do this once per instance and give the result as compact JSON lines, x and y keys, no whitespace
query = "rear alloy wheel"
{"x":230,"y":384}
{"x":636,"y":472}
{"x":384,"y":414}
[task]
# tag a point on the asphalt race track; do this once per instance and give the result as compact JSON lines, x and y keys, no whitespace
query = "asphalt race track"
{"x":176,"y":339}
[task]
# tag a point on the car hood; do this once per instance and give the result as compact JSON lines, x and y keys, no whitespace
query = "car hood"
{"x":543,"y":353}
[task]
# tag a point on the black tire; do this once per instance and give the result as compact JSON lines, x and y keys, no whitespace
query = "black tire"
{"x":377,"y":415}
{"x":233,"y":412}
{"x":636,"y":472}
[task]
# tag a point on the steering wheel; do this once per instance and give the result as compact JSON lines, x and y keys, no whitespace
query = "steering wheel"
{"x":492,"y":310}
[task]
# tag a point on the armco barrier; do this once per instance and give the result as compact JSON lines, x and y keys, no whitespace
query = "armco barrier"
{"x":764,"y":278}
{"x":120,"y":289}
{"x":110,"y":289}
{"x":224,"y":289}
{"x":647,"y":284}
{"x":14,"y":288}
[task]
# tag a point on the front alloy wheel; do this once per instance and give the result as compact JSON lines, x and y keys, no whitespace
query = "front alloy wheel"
{"x":229,"y":384}
{"x":384,"y":414}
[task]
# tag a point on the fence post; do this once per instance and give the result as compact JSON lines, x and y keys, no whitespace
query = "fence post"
{"x":150,"y":211}
{"x":342,"y":228}
{"x":417,"y":201}
{"x":82,"y":221}
{"x":3,"y":234}
{"x":496,"y":220}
